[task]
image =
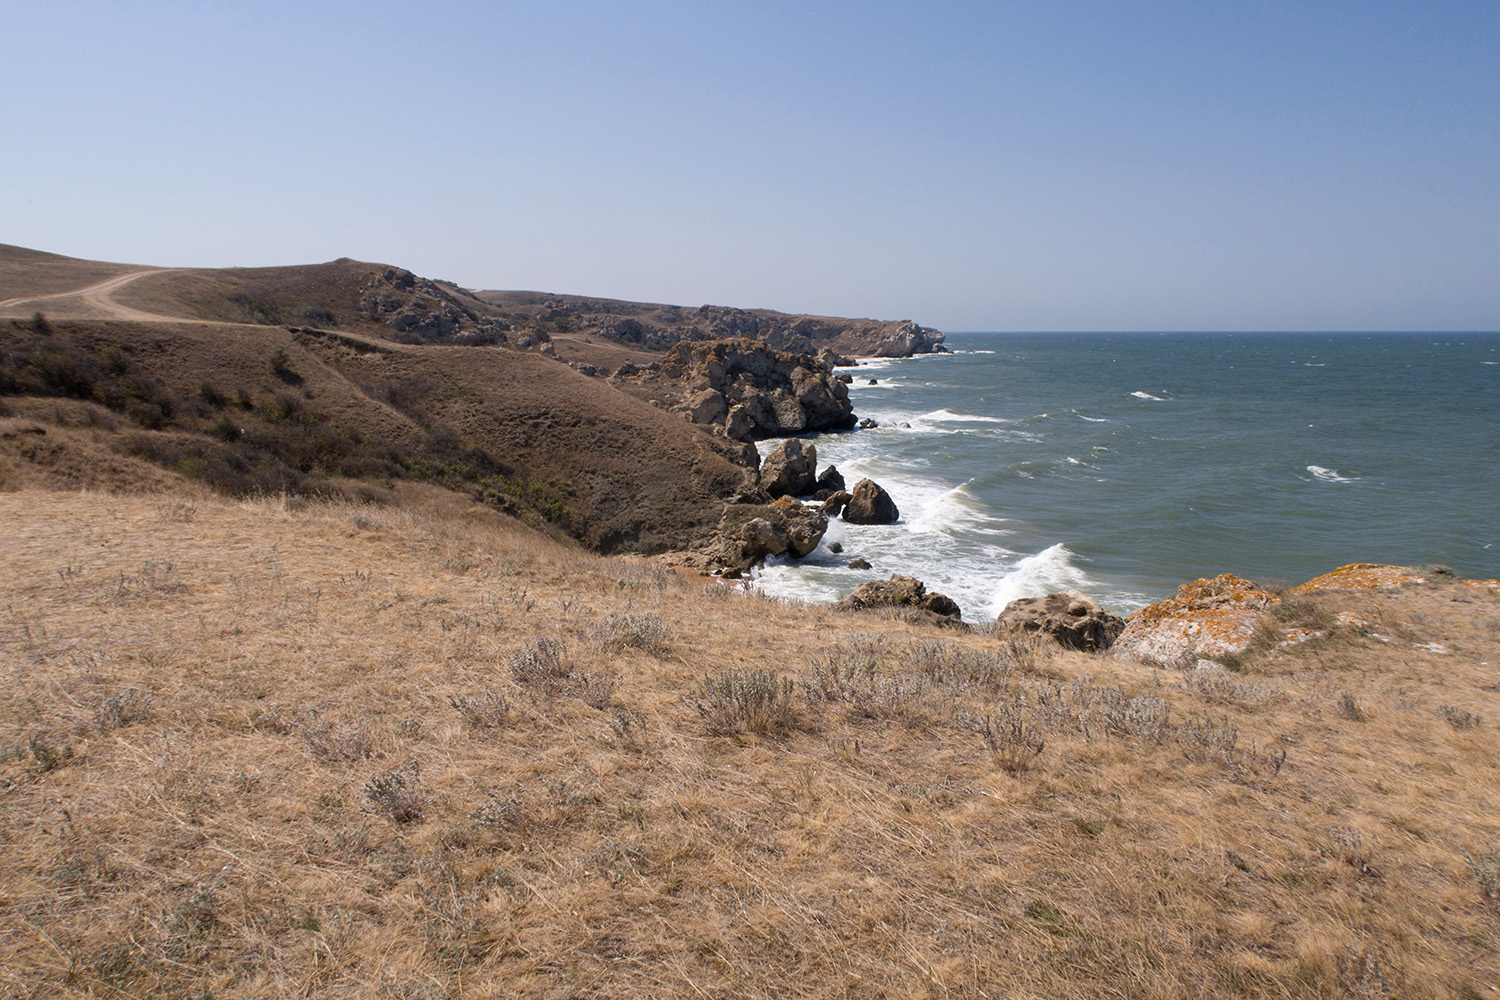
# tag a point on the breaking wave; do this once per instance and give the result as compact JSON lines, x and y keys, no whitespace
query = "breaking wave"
{"x":1331,"y":475}
{"x":1046,"y":572}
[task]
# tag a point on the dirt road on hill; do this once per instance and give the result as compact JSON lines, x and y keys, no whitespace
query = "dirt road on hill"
{"x":94,"y":301}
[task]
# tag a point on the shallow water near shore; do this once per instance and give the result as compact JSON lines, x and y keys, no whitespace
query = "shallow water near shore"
{"x":1125,"y":464}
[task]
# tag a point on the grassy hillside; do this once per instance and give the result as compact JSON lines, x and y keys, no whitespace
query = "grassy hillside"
{"x":277,"y":748}
{"x":246,"y":408}
{"x":34,"y":272}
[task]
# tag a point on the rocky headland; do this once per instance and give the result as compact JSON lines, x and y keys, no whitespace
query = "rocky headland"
{"x":656,"y":327}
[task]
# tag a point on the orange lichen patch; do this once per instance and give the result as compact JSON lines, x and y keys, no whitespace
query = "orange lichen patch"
{"x":1208,"y":617}
{"x":1223,"y":591}
{"x":1361,"y":576}
{"x":1188,"y":635}
{"x":1488,"y":588}
{"x":1293,"y":636}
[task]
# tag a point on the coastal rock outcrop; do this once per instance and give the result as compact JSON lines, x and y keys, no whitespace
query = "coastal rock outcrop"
{"x":870,"y":504}
{"x":1072,"y":619}
{"x":790,"y":470}
{"x":749,"y":532}
{"x":1360,"y":576}
{"x":829,"y":482}
{"x":1208,"y":618}
{"x":836,"y":503}
{"x":767,"y":393}
{"x":900,"y":592}
{"x":421,"y":308}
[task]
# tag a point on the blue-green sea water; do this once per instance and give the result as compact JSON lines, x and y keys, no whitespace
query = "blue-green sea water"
{"x":1125,"y":464}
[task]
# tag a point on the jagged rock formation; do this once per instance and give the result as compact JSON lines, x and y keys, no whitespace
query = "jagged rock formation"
{"x":422,"y":309}
{"x":749,"y":532}
{"x":870,"y":504}
{"x":1221,"y":617}
{"x":829,"y":482}
{"x":1070,"y":618}
{"x":790,"y":470}
{"x":762,"y":392}
{"x":899,"y":592}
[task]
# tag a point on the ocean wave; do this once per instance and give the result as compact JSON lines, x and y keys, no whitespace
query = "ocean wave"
{"x":1331,"y":475}
{"x":1046,"y":572}
{"x":953,"y":511}
{"x":1092,"y":420}
{"x":946,"y":416}
{"x":1138,"y":394}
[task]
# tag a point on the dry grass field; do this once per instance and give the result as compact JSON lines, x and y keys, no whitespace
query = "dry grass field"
{"x":274,"y":748}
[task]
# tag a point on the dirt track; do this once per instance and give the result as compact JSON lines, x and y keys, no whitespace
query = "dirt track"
{"x":90,"y":302}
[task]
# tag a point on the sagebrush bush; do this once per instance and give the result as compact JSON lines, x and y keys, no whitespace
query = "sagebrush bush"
{"x":646,"y":632}
{"x":540,"y":665}
{"x":398,"y":793}
{"x":1012,"y":741}
{"x":1459,"y":718}
{"x":757,"y":701}
{"x":489,"y":709}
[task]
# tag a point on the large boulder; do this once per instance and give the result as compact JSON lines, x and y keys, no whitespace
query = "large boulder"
{"x":749,"y":532}
{"x":835,"y":503}
{"x":1072,"y":619}
{"x":1360,"y":576}
{"x":899,"y":592}
{"x":707,"y":407}
{"x":1208,"y":618}
{"x":829,"y":479}
{"x":869,"y":504}
{"x":790,"y":470}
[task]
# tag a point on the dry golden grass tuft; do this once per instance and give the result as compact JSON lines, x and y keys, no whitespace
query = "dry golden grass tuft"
{"x":267,"y":749}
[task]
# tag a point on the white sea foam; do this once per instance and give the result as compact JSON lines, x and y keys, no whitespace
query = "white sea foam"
{"x":1138,"y":394}
{"x":1331,"y":475}
{"x":946,"y":416}
{"x":1046,"y":572}
{"x":951,"y":511}
{"x":1092,"y":420}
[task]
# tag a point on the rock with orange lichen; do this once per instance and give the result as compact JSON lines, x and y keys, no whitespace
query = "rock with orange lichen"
{"x":1360,"y":576}
{"x":1208,"y":618}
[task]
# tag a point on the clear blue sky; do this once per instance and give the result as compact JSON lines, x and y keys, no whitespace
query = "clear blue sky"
{"x":1006,"y":166}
